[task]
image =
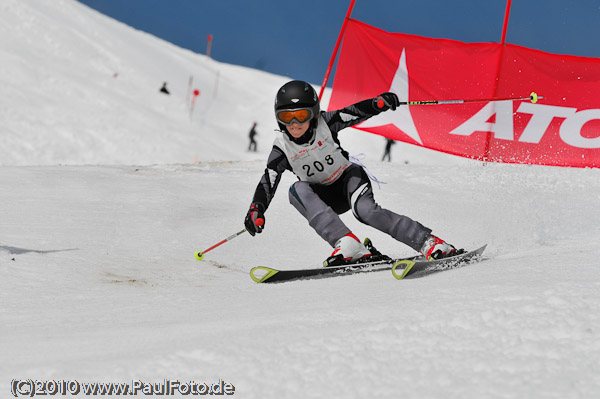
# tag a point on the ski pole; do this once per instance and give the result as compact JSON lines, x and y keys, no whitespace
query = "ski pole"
{"x":533,"y":97}
{"x":200,"y":254}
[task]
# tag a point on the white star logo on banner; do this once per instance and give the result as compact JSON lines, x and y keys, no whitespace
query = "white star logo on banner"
{"x":401,"y":118}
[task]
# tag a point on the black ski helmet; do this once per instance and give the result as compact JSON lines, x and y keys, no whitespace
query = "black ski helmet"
{"x":297,"y":94}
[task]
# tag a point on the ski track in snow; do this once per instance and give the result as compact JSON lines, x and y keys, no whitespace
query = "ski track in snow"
{"x":102,"y":207}
{"x":104,"y":286}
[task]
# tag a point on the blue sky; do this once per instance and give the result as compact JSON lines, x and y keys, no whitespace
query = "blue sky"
{"x":296,"y":38}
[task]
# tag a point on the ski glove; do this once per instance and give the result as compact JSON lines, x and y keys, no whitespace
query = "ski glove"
{"x":255,"y":219}
{"x":386,"y":101}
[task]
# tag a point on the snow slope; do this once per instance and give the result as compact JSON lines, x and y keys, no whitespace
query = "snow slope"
{"x":102,"y":207}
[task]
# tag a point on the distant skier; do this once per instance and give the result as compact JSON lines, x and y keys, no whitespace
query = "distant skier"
{"x":164,"y":89}
{"x":388,"y":148}
{"x":251,"y":135}
{"x":329,"y":183}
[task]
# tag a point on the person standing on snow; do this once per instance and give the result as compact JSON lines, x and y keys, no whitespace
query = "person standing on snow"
{"x":329,"y":183}
{"x":388,"y":150}
{"x":164,"y":89}
{"x":251,"y":135}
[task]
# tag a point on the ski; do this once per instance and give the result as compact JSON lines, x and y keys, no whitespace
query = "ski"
{"x":418,"y":268}
{"x":262,"y":274}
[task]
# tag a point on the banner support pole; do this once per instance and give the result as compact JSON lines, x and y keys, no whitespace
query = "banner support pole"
{"x":505,"y":25}
{"x":335,"y":50}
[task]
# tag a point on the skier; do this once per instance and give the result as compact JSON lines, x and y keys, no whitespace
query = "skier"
{"x":329,"y":183}
{"x":388,"y":150}
{"x":251,"y":135}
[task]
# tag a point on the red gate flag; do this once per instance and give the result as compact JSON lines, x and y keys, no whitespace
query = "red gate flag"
{"x":562,"y":129}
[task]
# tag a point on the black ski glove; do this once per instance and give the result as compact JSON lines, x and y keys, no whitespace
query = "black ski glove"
{"x":255,"y":219}
{"x":386,"y":101}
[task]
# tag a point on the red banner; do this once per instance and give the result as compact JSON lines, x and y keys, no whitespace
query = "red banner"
{"x":562,"y":129}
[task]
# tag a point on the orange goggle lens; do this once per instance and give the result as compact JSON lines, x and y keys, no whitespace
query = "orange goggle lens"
{"x":300,"y":115}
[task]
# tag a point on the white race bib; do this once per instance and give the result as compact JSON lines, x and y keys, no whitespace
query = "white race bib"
{"x":320,"y":161}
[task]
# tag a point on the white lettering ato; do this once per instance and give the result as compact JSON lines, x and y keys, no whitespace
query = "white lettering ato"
{"x":541,"y":117}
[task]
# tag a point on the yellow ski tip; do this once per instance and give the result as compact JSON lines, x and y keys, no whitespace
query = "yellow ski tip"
{"x":404,"y":267}
{"x":260,"y":274}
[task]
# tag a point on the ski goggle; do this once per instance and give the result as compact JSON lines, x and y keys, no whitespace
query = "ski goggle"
{"x":300,"y":115}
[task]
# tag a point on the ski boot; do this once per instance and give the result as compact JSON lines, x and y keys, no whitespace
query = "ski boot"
{"x":348,"y":249}
{"x":435,"y":248}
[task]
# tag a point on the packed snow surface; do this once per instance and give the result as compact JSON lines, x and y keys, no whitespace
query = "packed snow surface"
{"x":107,"y":188}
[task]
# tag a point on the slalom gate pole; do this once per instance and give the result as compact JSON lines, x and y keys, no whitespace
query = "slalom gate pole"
{"x":533,"y":97}
{"x":505,"y":24}
{"x":335,"y":49}
{"x":200,"y":254}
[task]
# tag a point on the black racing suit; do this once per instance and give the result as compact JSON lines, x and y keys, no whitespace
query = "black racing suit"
{"x":329,"y":184}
